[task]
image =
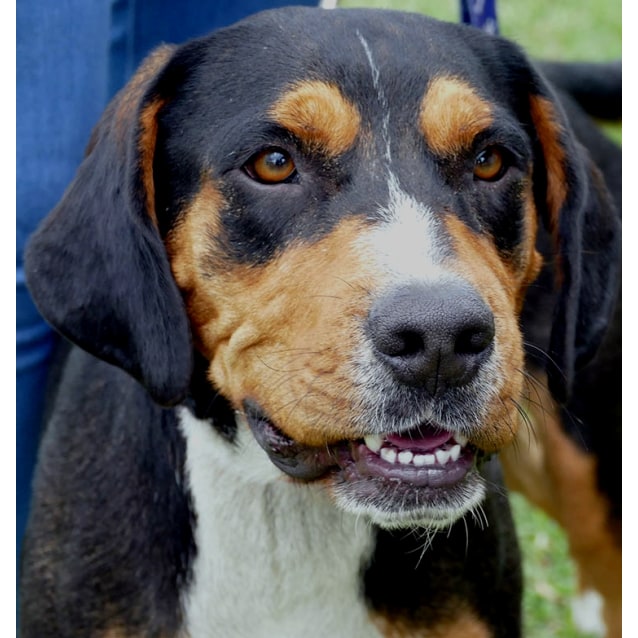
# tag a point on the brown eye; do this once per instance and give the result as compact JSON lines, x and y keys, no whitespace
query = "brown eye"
{"x":271,"y":166}
{"x":489,"y":164}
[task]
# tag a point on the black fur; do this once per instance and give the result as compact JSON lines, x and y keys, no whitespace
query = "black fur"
{"x":592,"y":410}
{"x":472,"y":564}
{"x":116,"y":505}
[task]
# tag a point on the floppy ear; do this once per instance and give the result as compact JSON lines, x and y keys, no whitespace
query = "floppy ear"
{"x":96,"y":266}
{"x":585,"y":226}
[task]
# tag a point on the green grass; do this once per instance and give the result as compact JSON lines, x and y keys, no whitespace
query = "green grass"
{"x":550,"y":576}
{"x":565,"y":30}
{"x":546,"y":29}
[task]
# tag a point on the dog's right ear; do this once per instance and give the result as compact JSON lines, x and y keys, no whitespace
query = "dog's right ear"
{"x":96,"y":266}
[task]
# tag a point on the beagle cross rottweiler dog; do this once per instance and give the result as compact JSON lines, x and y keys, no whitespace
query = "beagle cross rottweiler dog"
{"x":294,"y":266}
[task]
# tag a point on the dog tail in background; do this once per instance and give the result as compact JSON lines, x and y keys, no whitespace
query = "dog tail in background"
{"x":596,"y":87}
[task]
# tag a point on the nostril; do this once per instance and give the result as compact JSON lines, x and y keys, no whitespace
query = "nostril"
{"x":398,"y":343}
{"x":407,"y":344}
{"x":474,"y":341}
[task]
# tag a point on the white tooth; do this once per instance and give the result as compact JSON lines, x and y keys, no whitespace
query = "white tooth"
{"x":405,"y":457}
{"x":419,"y":460}
{"x":389,"y":454}
{"x":442,"y":456}
{"x":455,"y":452}
{"x":461,"y":440}
{"x":430,"y":459}
{"x":373,"y":442}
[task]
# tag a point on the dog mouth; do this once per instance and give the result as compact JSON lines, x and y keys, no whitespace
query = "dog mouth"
{"x":425,"y":456}
{"x":422,"y":476}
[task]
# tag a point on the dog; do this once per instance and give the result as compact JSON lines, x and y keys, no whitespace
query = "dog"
{"x":294,"y":266}
{"x":567,"y":459}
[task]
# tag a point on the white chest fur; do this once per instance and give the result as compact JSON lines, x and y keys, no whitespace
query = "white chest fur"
{"x":274,"y":559}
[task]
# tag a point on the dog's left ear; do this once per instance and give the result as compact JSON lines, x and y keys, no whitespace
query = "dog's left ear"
{"x":96,"y":266}
{"x":577,"y":210}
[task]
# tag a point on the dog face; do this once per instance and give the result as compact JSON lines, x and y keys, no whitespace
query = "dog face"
{"x":338,"y":211}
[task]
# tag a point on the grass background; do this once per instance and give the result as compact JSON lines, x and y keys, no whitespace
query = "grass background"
{"x":553,"y":29}
{"x":547,"y":29}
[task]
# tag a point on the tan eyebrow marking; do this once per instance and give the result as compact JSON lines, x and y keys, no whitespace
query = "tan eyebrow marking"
{"x":549,"y":133}
{"x":451,"y":115}
{"x":319,"y":115}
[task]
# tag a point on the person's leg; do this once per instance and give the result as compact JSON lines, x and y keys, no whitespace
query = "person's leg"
{"x":480,"y":14}
{"x":62,"y":63}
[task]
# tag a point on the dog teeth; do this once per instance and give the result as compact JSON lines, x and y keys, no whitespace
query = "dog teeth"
{"x":389,"y":454}
{"x":460,"y":439}
{"x":424,"y":459}
{"x":405,"y":457}
{"x":373,"y":442}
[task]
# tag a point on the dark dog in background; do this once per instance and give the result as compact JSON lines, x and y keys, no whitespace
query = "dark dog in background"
{"x":295,"y":261}
{"x":569,"y":463}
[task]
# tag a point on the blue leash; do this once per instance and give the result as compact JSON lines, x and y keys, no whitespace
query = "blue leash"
{"x":481,"y":14}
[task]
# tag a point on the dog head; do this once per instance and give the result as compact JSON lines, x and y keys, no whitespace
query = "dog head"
{"x":338,"y":211}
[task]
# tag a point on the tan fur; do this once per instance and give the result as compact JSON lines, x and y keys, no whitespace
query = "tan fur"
{"x":477,"y":261}
{"x":127,"y":109}
{"x":451,"y":115}
{"x":557,"y":476}
{"x":319,"y":115}
{"x":463,"y":624}
{"x":129,"y":98}
{"x":528,"y":262}
{"x":549,"y":132}
{"x":281,"y":333}
{"x":147,"y":141}
{"x":119,"y":632}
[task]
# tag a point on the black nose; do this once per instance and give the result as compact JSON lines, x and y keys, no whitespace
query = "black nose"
{"x":434,"y":336}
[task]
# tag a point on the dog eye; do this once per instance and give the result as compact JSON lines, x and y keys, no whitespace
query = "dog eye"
{"x":271,"y":166}
{"x":490,"y":164}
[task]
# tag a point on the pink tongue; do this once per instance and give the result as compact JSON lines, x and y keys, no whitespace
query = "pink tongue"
{"x":424,"y":438}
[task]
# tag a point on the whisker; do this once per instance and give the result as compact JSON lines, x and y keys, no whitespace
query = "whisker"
{"x":430,"y":535}
{"x":544,"y":355}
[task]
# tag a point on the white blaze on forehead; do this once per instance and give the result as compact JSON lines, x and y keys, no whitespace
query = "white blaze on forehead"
{"x":406,"y":245}
{"x":381,"y":96}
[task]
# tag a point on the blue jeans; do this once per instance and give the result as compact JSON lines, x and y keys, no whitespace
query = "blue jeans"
{"x":72,"y":56}
{"x":481,"y":14}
